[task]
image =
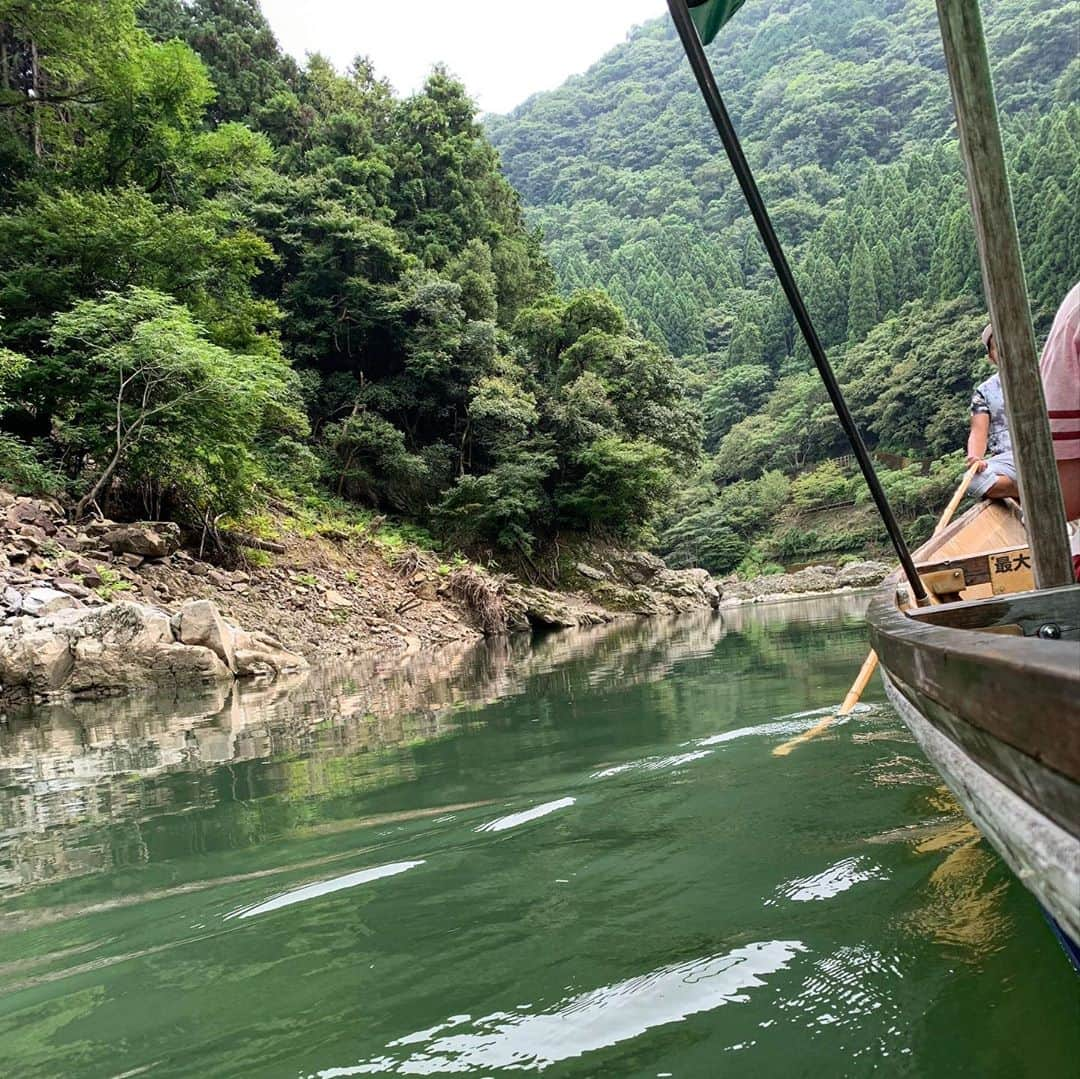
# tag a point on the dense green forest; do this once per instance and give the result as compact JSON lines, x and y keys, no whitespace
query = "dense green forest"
{"x":226,"y":278}
{"x":844,"y":111}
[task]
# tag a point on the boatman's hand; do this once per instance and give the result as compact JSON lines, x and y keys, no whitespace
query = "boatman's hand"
{"x":980,"y":464}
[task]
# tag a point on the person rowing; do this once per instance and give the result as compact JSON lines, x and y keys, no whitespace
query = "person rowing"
{"x":989,"y":445}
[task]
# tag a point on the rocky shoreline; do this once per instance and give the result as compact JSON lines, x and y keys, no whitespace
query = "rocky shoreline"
{"x":819,"y":580}
{"x":100,"y":609}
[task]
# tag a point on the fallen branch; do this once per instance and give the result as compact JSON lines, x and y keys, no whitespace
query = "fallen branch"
{"x":244,"y":539}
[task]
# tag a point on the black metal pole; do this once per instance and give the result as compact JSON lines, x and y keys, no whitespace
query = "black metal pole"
{"x":695,"y":53}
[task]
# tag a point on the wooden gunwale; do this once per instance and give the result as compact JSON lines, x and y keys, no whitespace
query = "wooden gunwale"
{"x":1029,"y":611}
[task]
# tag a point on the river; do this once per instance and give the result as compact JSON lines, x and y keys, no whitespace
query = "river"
{"x":579,"y":856}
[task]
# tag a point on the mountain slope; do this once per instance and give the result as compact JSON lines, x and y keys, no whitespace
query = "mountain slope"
{"x":621,"y":168}
{"x":844,"y":112}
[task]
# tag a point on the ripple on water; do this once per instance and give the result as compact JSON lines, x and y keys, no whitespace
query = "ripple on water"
{"x":323,"y":887}
{"x":595,"y":1020}
{"x":829,"y":882}
{"x":512,"y":820}
{"x":844,"y":987}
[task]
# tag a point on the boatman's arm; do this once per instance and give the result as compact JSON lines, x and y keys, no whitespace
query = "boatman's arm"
{"x":980,"y":431}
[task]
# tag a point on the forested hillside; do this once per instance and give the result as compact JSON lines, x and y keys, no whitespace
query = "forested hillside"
{"x":843,"y":107}
{"x":225,"y":279}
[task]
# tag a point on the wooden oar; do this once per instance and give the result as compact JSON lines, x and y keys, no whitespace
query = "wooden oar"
{"x":866,"y":672}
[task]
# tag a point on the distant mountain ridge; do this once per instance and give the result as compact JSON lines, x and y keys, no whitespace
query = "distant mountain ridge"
{"x":820,"y":92}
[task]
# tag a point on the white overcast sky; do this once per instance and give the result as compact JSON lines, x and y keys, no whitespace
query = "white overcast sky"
{"x":502,"y":50}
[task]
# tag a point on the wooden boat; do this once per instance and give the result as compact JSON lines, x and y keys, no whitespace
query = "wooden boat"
{"x":987,"y":675}
{"x":988,"y":681}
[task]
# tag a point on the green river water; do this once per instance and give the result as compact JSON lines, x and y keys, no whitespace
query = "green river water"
{"x":578,"y":856}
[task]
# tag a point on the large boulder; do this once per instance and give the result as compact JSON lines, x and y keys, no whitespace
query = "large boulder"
{"x":103,"y":670}
{"x":679,"y":591}
{"x":260,"y":655}
{"x":638,"y":567}
{"x":556,"y":610}
{"x":121,"y":647}
{"x":589,"y":572}
{"x":199,"y":623}
{"x":40,"y":514}
{"x":38,"y":660}
{"x":148,"y":539}
{"x":129,"y":626}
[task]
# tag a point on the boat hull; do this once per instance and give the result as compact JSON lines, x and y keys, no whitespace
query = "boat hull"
{"x":1044,"y":855}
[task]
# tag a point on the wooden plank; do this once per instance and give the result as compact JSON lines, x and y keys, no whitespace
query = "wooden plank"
{"x":1011,"y":571}
{"x":982,"y":567}
{"x":987,"y":526}
{"x":1029,"y":611}
{"x":1004,"y":286}
{"x":1051,"y":793}
{"x":1021,"y":690}
{"x":1043,"y":855}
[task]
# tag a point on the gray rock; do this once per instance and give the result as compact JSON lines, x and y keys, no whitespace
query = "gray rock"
{"x":862,"y":574}
{"x":126,"y":625}
{"x":146,"y":539}
{"x":99,"y":669}
{"x":42,"y":601}
{"x":539,"y":607}
{"x":256,"y":662}
{"x":12,"y":599}
{"x":71,"y":588}
{"x":589,"y":572}
{"x":200,"y":624}
{"x":638,"y":567}
{"x":33,"y":512}
{"x":38,"y":660}
{"x":333,"y":598}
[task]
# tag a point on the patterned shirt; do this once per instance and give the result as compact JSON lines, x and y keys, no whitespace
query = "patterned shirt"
{"x":988,"y":398}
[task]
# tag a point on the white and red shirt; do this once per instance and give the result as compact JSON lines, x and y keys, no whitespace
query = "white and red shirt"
{"x":1060,"y":369}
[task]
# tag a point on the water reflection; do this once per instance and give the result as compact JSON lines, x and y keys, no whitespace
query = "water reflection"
{"x":79,"y":781}
{"x":512,"y":820}
{"x":832,"y":881}
{"x":582,"y":1024}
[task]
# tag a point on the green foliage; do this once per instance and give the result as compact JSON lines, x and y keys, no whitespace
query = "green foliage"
{"x":143,"y":398}
{"x":622,"y":483}
{"x":913,"y":492}
{"x":842,"y":110}
{"x":230,"y":276}
{"x":27,"y":470}
{"x":112,"y":584}
{"x":862,"y":298}
{"x":501,"y":507}
{"x":187,"y":215}
{"x":714,"y":529}
{"x":823,"y":486}
{"x":368,"y":460}
{"x":732,"y":395}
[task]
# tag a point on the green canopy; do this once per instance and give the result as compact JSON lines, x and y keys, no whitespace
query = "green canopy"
{"x":710,"y":15}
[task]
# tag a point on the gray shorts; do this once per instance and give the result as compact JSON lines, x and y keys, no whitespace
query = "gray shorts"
{"x":1000,"y":465}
